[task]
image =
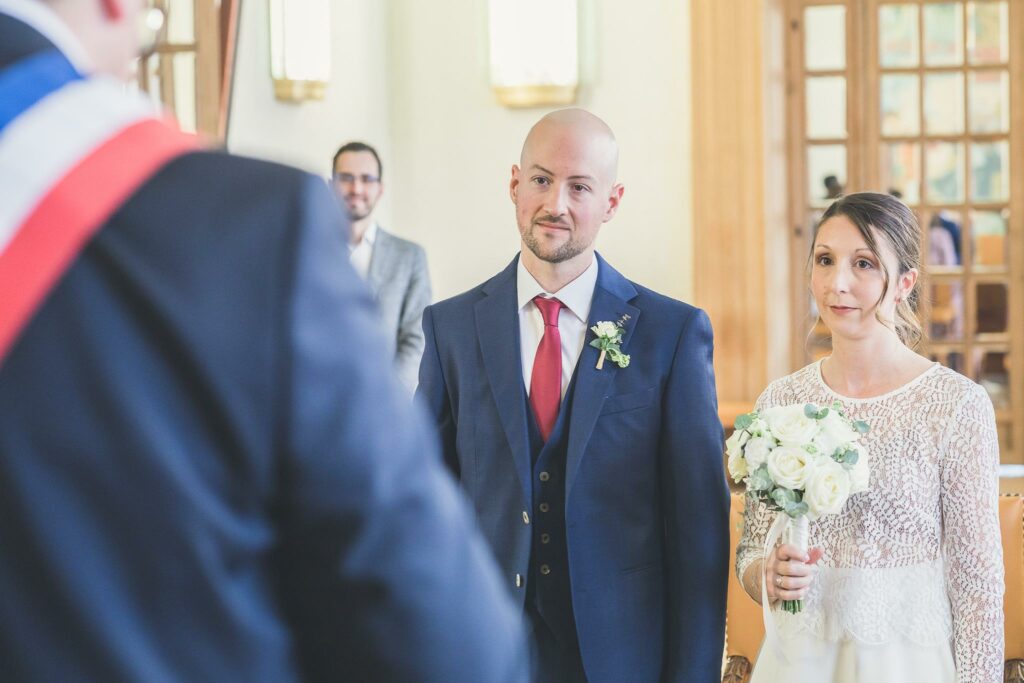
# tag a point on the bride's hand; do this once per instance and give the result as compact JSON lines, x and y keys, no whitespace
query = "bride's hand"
{"x":790,"y":572}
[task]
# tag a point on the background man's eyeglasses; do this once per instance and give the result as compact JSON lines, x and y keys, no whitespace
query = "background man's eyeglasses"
{"x":349,"y":179}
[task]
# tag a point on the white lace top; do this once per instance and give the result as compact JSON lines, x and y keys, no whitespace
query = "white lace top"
{"x":918,"y":556}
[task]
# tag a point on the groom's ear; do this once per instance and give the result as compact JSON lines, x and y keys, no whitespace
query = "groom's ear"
{"x":513,"y":185}
{"x":614,"y":197}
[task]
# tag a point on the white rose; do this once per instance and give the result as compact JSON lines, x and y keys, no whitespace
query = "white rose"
{"x":606,"y":329}
{"x":734,"y":444}
{"x":835,"y":433}
{"x":738,"y":467}
{"x":828,"y":487}
{"x":789,"y":466}
{"x":757,"y":450}
{"x":758,"y":426}
{"x":790,"y":426}
{"x":860,"y":474}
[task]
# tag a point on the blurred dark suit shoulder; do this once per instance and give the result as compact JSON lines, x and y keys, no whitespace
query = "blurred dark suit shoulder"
{"x":207,"y":472}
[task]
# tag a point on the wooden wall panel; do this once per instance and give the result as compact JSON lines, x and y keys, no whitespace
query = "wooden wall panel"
{"x":730,"y":208}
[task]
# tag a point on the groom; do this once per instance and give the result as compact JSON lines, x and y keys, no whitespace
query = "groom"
{"x":600,"y":488}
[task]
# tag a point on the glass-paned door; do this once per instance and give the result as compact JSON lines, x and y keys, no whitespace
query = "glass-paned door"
{"x":930,"y":93}
{"x":184,"y":72}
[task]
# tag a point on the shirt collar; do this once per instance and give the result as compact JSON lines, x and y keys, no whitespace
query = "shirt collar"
{"x":369,"y":237}
{"x":43,"y":19}
{"x":577,"y":295}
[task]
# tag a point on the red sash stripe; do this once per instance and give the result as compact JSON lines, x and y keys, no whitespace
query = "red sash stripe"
{"x":81,"y":202}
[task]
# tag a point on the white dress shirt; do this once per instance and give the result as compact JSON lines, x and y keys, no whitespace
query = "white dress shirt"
{"x":572,"y":321}
{"x":359,"y":255}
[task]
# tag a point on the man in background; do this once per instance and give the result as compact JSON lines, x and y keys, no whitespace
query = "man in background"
{"x":197,"y":481}
{"x":396,"y":269}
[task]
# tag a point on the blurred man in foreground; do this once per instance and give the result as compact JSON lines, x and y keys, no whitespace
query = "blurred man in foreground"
{"x":198,"y":482}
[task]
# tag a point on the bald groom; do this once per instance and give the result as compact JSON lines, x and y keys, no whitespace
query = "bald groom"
{"x":597,"y":477}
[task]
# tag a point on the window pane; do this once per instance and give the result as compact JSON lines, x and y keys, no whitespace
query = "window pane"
{"x":991,"y":370}
{"x":943,"y":34}
{"x":987,"y":32}
{"x":826,"y":107}
{"x":988,"y":232}
{"x":825,"y":38}
{"x":900,"y":105}
{"x":990,"y":171}
{"x":989,"y":101}
{"x":171,"y":82}
{"x":944,"y":103}
{"x":901,"y":170}
{"x":826,"y":172}
{"x":944,"y":172}
{"x":945,"y":238}
{"x":180,"y":20}
{"x":992,"y":307}
{"x":947,"y":312}
{"x":897,"y":35}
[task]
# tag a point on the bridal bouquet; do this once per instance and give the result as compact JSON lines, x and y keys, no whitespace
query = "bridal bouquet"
{"x":800,"y":460}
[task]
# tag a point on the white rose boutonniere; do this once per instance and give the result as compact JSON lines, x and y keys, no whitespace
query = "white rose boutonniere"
{"x":609,"y":342}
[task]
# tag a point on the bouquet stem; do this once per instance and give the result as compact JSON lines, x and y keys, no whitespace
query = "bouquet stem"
{"x":796,"y":534}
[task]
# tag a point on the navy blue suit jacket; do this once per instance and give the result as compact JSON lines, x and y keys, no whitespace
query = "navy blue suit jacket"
{"x":646,"y":499}
{"x":207,"y":472}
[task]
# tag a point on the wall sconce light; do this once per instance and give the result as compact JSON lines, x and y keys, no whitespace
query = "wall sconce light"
{"x":534,"y":51}
{"x":300,"y":48}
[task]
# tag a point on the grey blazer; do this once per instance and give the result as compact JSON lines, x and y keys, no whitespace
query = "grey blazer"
{"x":399,"y":279}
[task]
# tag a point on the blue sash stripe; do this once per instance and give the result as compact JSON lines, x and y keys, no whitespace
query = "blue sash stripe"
{"x":26,"y":82}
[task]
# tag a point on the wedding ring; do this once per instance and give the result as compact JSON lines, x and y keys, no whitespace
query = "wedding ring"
{"x":778,"y":580}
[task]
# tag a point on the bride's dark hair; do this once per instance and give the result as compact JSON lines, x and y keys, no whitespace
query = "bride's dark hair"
{"x":874,"y":213}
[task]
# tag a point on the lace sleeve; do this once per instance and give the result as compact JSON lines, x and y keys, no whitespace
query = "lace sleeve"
{"x":757,"y":518}
{"x":971,"y":541}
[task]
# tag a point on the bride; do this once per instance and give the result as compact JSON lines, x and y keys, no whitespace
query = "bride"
{"x":907,"y":582}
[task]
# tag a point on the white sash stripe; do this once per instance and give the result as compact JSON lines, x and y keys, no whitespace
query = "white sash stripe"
{"x":39,"y":147}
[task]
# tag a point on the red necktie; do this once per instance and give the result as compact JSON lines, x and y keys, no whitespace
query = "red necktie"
{"x":546,"y":379}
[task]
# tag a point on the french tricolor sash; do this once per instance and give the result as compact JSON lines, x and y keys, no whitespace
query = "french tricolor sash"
{"x":72,"y":151}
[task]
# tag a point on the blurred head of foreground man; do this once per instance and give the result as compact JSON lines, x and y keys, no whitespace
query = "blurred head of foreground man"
{"x":206,"y":470}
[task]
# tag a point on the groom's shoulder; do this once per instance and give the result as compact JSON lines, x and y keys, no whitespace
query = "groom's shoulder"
{"x":662,"y":305}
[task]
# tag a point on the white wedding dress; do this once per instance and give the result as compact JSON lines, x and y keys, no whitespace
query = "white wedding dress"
{"x":910,"y":585}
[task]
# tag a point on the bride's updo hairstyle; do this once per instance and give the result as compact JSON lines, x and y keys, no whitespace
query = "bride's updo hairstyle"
{"x":878,"y":215}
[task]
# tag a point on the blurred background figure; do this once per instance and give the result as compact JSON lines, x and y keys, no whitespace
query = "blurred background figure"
{"x":396,"y":269}
{"x":833,"y":188}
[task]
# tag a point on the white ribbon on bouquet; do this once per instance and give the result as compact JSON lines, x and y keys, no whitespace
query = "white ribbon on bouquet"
{"x":796,"y":534}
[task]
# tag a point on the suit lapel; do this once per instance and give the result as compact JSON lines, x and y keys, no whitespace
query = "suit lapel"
{"x":611,"y":297}
{"x":497,"y":328}
{"x":380,"y":261}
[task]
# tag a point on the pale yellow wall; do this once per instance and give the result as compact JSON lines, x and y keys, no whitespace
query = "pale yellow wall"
{"x":307,"y":135}
{"x":411,"y":77}
{"x":454,"y":145}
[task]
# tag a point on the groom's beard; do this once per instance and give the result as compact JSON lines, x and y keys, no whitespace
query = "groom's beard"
{"x":568,"y":250}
